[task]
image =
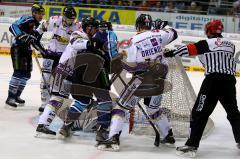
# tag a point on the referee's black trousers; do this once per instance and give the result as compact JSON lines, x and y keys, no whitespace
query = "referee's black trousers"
{"x":215,"y":87}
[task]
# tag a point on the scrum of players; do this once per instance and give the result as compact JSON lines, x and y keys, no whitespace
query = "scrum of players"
{"x":77,"y":65}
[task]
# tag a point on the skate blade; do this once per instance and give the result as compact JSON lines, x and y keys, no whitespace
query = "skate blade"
{"x":63,"y":137}
{"x":21,"y":105}
{"x":44,"y":136}
{"x":189,"y":154}
{"x":112,"y":147}
{"x":10,"y":107}
{"x":168,"y":145}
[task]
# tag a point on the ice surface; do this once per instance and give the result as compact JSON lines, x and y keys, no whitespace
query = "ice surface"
{"x":17,"y":131}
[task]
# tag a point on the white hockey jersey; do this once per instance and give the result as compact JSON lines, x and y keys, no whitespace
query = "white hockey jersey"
{"x":78,"y":42}
{"x":148,"y":45}
{"x":60,"y":34}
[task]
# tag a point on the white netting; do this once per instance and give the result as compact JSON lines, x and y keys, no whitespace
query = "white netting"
{"x":177,"y":104}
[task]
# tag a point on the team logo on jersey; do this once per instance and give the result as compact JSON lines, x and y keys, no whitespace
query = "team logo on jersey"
{"x":218,"y":42}
{"x":154,"y":42}
{"x":47,"y":63}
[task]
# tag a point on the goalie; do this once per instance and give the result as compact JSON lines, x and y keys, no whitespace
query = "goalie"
{"x":145,"y":48}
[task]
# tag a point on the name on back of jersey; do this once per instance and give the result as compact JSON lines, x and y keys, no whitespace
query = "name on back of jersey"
{"x":152,"y":51}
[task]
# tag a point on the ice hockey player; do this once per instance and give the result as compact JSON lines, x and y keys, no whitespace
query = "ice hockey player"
{"x":24,"y":31}
{"x":217,"y":56}
{"x":108,"y":41}
{"x":80,"y":41}
{"x":146,"y":46}
{"x":61,"y":27}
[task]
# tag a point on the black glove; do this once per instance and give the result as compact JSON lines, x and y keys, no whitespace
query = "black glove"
{"x":39,"y":47}
{"x":159,"y":24}
{"x":26,"y":38}
{"x":168,"y":53}
{"x":94,"y":44}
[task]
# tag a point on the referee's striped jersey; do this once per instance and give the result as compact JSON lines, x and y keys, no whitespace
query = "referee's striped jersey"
{"x":216,"y":55}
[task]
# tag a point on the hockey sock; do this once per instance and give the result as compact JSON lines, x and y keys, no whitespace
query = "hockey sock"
{"x":164,"y":125}
{"x":47,"y":115}
{"x":75,"y":111}
{"x":13,"y":87}
{"x":117,"y":122}
{"x":104,"y":113}
{"x":22,"y":85}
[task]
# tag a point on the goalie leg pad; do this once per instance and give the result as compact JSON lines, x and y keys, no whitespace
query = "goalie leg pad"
{"x":47,"y":65}
{"x":127,"y":99}
{"x":153,"y":106}
{"x":45,"y":80}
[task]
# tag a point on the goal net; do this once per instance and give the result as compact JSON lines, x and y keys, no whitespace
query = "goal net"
{"x":177,"y":104}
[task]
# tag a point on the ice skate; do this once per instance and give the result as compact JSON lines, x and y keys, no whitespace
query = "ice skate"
{"x":11,"y":103}
{"x":106,"y":144}
{"x":43,"y":132}
{"x":169,"y":139}
{"x":41,"y":108}
{"x":20,"y":101}
{"x":65,"y":131}
{"x":112,"y":144}
{"x":186,"y":151}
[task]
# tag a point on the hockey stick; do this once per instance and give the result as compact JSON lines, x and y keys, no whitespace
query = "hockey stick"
{"x":157,"y":138}
{"x":40,"y":69}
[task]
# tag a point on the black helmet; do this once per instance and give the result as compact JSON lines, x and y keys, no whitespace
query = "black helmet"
{"x":37,"y":8}
{"x":144,"y":21}
{"x":69,"y":12}
{"x":104,"y":25}
{"x":89,"y":21}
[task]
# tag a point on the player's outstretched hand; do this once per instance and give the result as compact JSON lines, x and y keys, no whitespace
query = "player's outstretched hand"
{"x":168,"y":53}
{"x":159,"y":24}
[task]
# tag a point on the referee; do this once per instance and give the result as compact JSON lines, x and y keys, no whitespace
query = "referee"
{"x":217,"y":56}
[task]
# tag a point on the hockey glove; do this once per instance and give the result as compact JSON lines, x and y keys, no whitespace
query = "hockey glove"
{"x":159,"y":24}
{"x":94,"y":44}
{"x":168,"y":53}
{"x":26,"y":38}
{"x":39,"y":47}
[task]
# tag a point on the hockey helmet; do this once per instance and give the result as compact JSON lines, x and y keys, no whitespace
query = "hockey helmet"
{"x":69,"y":15}
{"x":144,"y":21}
{"x":104,"y":25}
{"x":89,"y":22}
{"x":37,"y":8}
{"x":214,"y":27}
